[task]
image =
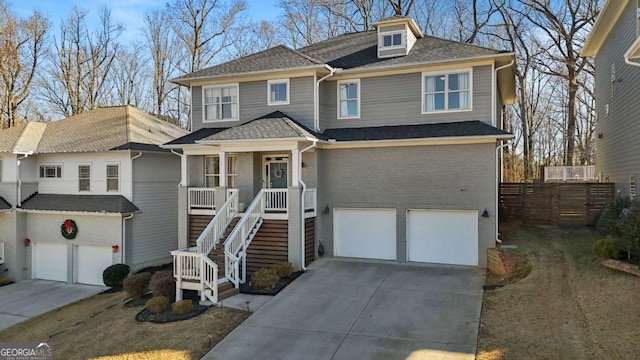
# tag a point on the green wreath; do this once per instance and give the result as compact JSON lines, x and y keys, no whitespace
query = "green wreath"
{"x":69,"y":229}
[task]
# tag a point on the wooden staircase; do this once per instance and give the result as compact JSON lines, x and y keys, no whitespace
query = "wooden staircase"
{"x":197,"y":223}
{"x":225,"y":289}
{"x":269,"y":246}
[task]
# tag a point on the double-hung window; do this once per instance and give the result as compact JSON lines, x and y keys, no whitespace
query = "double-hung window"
{"x":113,"y":177}
{"x":349,"y":99}
{"x":51,"y":171}
{"x":84,"y":177}
{"x":446,"y":91}
{"x":220,"y":103}
{"x":278,"y":92}
{"x":212,"y":171}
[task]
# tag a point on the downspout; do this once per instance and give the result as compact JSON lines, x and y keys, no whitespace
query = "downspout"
{"x":124,"y":238}
{"x":304,"y":190}
{"x":181,"y":160}
{"x":498,"y":187}
{"x":316,"y":98}
{"x":19,"y":180}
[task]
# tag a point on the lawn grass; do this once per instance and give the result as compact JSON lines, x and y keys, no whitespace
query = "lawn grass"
{"x":101,"y":327}
{"x":568,"y":307}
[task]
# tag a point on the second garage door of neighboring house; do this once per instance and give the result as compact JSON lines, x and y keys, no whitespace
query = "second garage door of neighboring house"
{"x":50,"y":261}
{"x":443,"y":236}
{"x":91,"y":262}
{"x":365,"y":233}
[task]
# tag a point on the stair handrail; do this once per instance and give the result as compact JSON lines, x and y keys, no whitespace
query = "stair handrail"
{"x":212,"y":233}
{"x":239,"y":239}
{"x":208,"y":279}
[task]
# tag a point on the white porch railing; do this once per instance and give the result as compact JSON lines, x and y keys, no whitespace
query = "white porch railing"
{"x":585,"y":173}
{"x":199,"y":271}
{"x":235,"y":247}
{"x":310,"y":202}
{"x":1,"y":252}
{"x":275,"y":199}
{"x":211,"y":234}
{"x":202,"y":198}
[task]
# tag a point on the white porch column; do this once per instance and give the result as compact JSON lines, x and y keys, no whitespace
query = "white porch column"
{"x":295,"y":168}
{"x":223,"y":169}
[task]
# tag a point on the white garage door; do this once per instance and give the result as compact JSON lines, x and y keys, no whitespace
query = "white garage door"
{"x":50,"y":261}
{"x":91,"y":262}
{"x":365,"y":233}
{"x":441,"y":236}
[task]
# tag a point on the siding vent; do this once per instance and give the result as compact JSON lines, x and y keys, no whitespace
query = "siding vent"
{"x":632,"y":187}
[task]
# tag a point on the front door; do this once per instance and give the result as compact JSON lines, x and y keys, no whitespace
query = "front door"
{"x":277,"y":174}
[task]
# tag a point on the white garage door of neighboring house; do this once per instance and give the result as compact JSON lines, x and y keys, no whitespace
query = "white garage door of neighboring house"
{"x":443,"y":236}
{"x":91,"y":262}
{"x":365,"y":233}
{"x":50,"y":261}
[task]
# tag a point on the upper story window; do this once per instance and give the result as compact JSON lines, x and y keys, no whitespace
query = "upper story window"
{"x":51,"y":171}
{"x":84,"y":178}
{"x":212,"y":171}
{"x":278,"y":92}
{"x":349,"y":99}
{"x":113,"y":177}
{"x":220,"y":103}
{"x":446,"y":91}
{"x":392,"y":39}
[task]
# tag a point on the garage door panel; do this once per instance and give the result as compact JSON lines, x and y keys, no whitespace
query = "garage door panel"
{"x":444,"y":237}
{"x":91,"y":262}
{"x":50,"y":261}
{"x":365,"y":233}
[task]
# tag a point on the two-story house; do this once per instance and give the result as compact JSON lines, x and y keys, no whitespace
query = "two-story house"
{"x":86,"y":192}
{"x":614,"y":41}
{"x":379,"y":144}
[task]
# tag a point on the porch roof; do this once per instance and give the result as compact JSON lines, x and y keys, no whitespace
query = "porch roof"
{"x":191,"y":138}
{"x":4,"y":204}
{"x":80,"y":203}
{"x":422,"y":131}
{"x":274,"y":126}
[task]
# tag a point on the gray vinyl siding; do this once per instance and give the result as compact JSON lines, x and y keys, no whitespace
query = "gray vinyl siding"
{"x":618,"y":151}
{"x":397,"y":100}
{"x":154,"y":231}
{"x":253,"y":103}
{"x":454,"y":177}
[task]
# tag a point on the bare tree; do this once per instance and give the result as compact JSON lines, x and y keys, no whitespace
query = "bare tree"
{"x":22,"y":44}
{"x":128,"y":76}
{"x":400,"y":7}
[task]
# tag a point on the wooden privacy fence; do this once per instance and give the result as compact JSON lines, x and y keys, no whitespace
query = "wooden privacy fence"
{"x":554,"y":203}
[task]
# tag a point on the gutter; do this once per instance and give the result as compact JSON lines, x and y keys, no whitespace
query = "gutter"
{"x":316,"y":97}
{"x":627,"y":54}
{"x":498,"y":148}
{"x":304,"y":190}
{"x":182,"y":164}
{"x":19,"y":180}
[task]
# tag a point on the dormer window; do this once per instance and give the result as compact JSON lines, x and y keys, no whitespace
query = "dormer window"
{"x":396,"y":36}
{"x":392,"y":40}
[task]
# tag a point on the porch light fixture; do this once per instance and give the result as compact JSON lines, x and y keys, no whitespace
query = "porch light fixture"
{"x":485,"y":213}
{"x":326,"y":209}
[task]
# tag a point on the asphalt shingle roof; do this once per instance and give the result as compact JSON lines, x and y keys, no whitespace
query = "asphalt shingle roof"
{"x":199,"y":134}
{"x":4,"y":204}
{"x":275,"y":125}
{"x":80,"y":203}
{"x":423,"y":131}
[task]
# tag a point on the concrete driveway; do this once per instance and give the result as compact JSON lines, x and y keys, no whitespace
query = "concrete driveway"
{"x":26,"y":299}
{"x":349,"y":309}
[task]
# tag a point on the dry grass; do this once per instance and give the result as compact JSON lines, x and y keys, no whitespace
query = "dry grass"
{"x":101,"y":327}
{"x":569,"y":307}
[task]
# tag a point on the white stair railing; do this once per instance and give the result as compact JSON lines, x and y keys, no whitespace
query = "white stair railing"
{"x":235,"y":247}
{"x":212,"y":233}
{"x":208,"y":279}
{"x":194,"y":266}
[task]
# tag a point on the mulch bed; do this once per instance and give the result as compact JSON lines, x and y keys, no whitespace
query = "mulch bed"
{"x":168,"y":316}
{"x":138,"y":302}
{"x":247,"y":288}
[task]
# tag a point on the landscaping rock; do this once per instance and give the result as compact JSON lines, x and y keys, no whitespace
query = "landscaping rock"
{"x":622,"y":266}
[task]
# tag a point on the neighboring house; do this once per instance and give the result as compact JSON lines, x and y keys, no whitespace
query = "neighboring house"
{"x":615,"y":43}
{"x":379,"y":145}
{"x":104,"y":171}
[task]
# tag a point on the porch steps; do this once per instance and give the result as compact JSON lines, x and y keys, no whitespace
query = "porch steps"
{"x":217,"y":254}
{"x":269,"y":246}
{"x":226,"y":290}
{"x":197,"y":223}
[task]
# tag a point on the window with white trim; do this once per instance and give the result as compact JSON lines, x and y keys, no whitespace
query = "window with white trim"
{"x":391,"y":39}
{"x":349,"y":99}
{"x":51,"y":171}
{"x":446,"y":91}
{"x":220,"y":103}
{"x":212,"y":171}
{"x":278,"y":92}
{"x":84,"y":177}
{"x":113,"y":177}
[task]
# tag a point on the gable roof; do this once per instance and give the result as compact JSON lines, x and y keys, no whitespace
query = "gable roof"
{"x":4,"y":204}
{"x":98,"y":130}
{"x":607,"y":18}
{"x":80,"y":203}
{"x":191,"y":138}
{"x":276,"y":125}
{"x":422,"y":131}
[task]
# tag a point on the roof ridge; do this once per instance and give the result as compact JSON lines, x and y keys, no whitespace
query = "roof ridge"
{"x":465,"y":43}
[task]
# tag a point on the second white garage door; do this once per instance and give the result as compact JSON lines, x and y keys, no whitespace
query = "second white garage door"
{"x":91,"y":262}
{"x":365,"y":233}
{"x":50,"y":261}
{"x":442,"y":236}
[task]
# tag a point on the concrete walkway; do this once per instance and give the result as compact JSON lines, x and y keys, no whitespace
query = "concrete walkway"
{"x":342,"y":309}
{"x":26,"y":299}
